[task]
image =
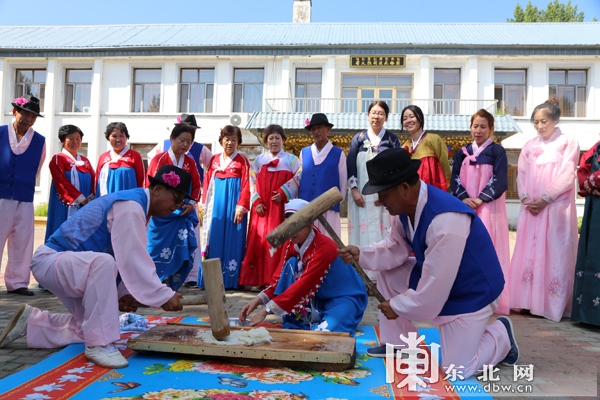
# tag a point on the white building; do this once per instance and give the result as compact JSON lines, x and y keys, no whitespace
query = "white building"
{"x":146,"y":75}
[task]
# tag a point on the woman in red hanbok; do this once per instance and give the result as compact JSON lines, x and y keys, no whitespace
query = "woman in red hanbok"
{"x":427,"y":147}
{"x":273,"y":182}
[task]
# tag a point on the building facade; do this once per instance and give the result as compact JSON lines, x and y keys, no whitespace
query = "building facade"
{"x":250,"y":74}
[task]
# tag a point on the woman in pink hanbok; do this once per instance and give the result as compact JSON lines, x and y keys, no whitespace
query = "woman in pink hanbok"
{"x":479,"y":179}
{"x":543,"y":262}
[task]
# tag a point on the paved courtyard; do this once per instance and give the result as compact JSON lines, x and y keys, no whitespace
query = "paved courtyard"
{"x":565,"y":355}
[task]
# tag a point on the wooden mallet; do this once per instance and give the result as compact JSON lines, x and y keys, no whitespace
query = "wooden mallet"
{"x":305,"y":216}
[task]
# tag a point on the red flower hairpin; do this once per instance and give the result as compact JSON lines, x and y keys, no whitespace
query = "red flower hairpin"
{"x":172,"y":179}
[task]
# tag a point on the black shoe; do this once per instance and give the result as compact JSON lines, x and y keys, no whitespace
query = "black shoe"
{"x":22,"y":291}
{"x":191,"y":284}
{"x":524,"y":311}
{"x":513,"y":354}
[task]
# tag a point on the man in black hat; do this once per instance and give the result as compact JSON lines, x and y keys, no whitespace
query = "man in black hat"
{"x":202,"y":155}
{"x":22,"y":153}
{"x":323,"y":167}
{"x":80,"y":263}
{"x":454,"y":278}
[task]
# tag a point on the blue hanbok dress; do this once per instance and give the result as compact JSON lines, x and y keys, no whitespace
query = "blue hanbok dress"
{"x":172,"y":241}
{"x":226,"y":190}
{"x":119,"y":172}
{"x":66,"y":191}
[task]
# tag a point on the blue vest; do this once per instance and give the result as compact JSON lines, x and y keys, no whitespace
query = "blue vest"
{"x":86,"y":230}
{"x":479,"y":280}
{"x":18,"y":172}
{"x":317,"y":179}
{"x":193,"y":152}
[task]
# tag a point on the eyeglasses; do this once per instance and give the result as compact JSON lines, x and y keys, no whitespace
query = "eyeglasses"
{"x":378,"y":113}
{"x":178,"y":199}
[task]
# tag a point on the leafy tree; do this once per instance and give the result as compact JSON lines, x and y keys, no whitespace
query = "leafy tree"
{"x":555,"y":12}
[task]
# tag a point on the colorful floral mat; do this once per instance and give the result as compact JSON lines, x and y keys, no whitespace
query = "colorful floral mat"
{"x":68,"y":375}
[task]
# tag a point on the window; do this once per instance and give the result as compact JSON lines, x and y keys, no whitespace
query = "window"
{"x":197,"y":90}
{"x":570,"y":86}
{"x":371,"y":87}
{"x":248,"y":90}
{"x":308,"y":86}
{"x":31,"y":82}
{"x":143,"y":149}
{"x":446,"y":86}
{"x":78,"y":90}
{"x":509,"y":90}
{"x":146,"y":90}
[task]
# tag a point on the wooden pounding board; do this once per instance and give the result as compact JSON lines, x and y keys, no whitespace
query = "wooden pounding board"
{"x":321,"y":351}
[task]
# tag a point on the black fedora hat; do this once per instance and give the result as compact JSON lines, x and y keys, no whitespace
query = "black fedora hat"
{"x":172,"y":176}
{"x":28,"y":103}
{"x":389,"y":168}
{"x":187,"y":119}
{"x":318,"y":119}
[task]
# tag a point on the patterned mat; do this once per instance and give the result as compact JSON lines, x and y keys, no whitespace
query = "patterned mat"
{"x":68,"y":375}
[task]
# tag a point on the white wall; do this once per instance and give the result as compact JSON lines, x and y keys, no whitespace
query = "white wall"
{"x":112,"y":95}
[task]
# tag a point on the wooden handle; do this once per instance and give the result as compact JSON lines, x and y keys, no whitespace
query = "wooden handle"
{"x":215,"y":297}
{"x":304,"y":217}
{"x":354,"y":264}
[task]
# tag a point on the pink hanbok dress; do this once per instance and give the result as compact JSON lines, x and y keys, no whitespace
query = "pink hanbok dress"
{"x":543,"y":262}
{"x":481,"y":172}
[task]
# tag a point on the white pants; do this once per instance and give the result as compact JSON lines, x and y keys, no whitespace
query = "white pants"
{"x":17,"y":227}
{"x":467,"y":339}
{"x":85,"y":282}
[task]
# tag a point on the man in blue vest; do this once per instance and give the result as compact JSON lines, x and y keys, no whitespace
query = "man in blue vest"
{"x":323,"y":167}
{"x":22,"y":153}
{"x":101,"y":244}
{"x":454,"y":278}
{"x":202,"y":155}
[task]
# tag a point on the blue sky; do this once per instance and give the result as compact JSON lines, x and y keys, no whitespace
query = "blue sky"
{"x":108,"y":12}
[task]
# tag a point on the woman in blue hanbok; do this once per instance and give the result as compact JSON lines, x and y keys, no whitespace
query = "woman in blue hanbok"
{"x":73,"y":180}
{"x":120,"y":168}
{"x":226,"y":200}
{"x":171,"y":240}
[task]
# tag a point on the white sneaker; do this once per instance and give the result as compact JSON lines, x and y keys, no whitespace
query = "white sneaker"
{"x":17,"y":326}
{"x":106,"y":356}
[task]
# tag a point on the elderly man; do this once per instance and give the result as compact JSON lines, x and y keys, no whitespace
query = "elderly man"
{"x":323,"y":167}
{"x":202,"y":155}
{"x":454,"y":279}
{"x":80,"y":264}
{"x":22,"y":153}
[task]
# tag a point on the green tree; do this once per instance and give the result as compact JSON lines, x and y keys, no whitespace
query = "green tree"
{"x":555,"y":12}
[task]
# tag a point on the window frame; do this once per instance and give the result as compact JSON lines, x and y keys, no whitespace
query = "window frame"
{"x":134,"y":85}
{"x":74,"y":85}
{"x":206,"y":89}
{"x":22,"y":84}
{"x":235,"y":84}
{"x":396,"y":104}
{"x":443,"y":103}
{"x":576,"y":91}
{"x":308,"y":105}
{"x":502,"y":87}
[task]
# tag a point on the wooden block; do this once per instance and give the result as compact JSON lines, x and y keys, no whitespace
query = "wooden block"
{"x":215,"y":297}
{"x":320,"y":351}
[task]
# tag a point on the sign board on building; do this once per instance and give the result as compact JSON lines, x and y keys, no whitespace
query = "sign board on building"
{"x":378,"y":61}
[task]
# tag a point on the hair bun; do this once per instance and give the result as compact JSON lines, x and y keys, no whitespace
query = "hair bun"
{"x":553,"y":99}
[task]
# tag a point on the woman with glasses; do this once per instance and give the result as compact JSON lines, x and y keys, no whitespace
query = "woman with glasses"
{"x":427,"y":147}
{"x":73,"y":179}
{"x":368,"y":222}
{"x":171,"y":240}
{"x":120,"y":168}
{"x":225,"y":203}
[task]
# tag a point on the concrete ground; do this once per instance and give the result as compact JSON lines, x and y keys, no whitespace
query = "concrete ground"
{"x":565,"y":355}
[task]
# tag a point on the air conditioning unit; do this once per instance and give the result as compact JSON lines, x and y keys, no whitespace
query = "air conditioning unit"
{"x":235,"y":119}
{"x":85,"y":109}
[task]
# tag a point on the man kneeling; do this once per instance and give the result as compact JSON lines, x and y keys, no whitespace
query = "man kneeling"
{"x":312,"y":289}
{"x":454,"y":278}
{"x":80,"y":263}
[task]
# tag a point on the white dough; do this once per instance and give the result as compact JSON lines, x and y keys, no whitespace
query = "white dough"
{"x":247,"y":337}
